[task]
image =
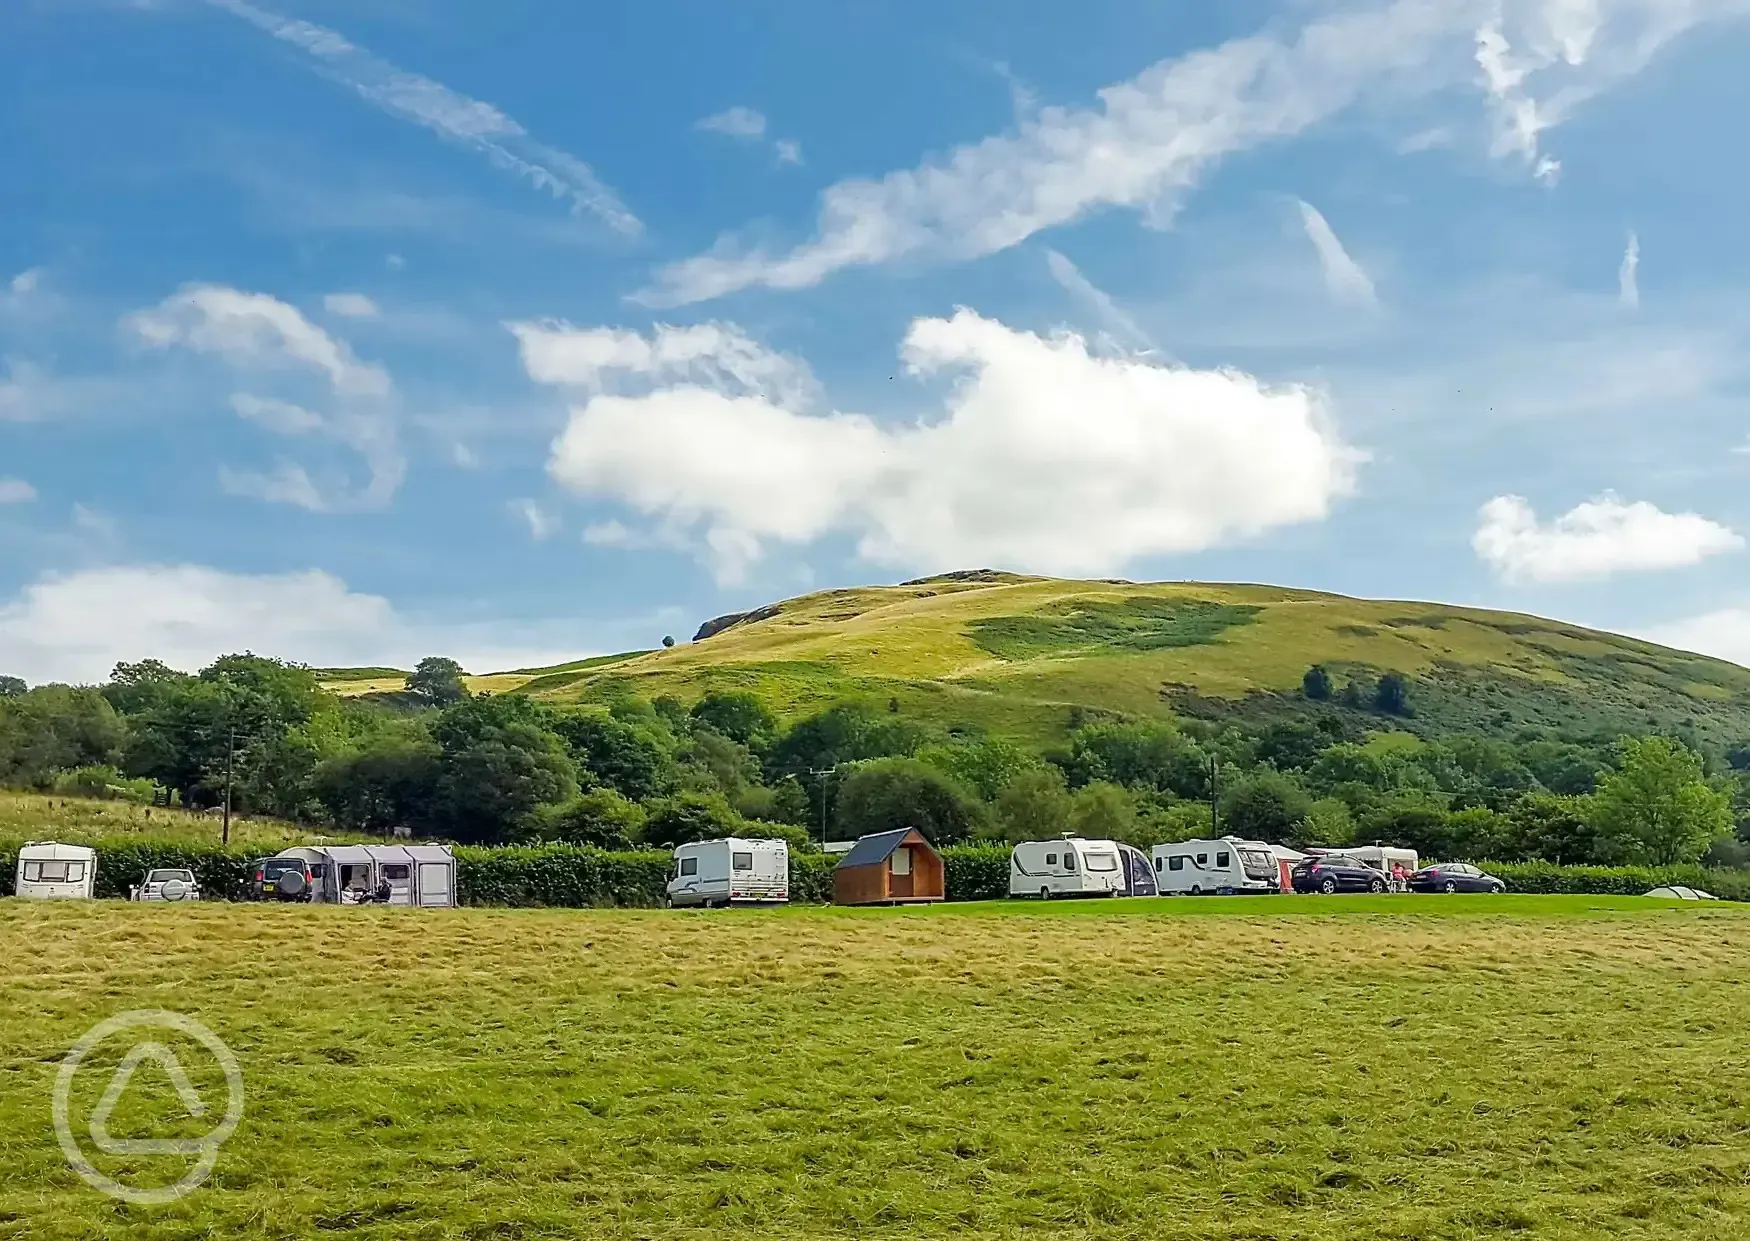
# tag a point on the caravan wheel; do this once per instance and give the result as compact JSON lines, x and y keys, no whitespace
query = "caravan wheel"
{"x":1044,"y":894}
{"x":1196,"y":890}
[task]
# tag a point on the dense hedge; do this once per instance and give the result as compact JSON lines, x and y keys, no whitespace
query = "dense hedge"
{"x":582,"y":877}
{"x":1732,"y":885}
{"x":223,"y":874}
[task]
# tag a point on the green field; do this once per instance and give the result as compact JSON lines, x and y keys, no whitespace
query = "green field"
{"x":1290,"y":1068}
{"x":1022,"y":657}
{"x":83,"y":820}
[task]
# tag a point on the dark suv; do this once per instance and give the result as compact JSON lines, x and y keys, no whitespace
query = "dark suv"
{"x":1332,"y":873}
{"x":281,"y":879}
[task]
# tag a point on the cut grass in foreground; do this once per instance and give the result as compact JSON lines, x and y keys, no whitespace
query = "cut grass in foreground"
{"x":1286,"y":1068}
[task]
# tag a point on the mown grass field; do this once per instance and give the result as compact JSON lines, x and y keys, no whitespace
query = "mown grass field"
{"x":1014,"y":655}
{"x":81,"y":820}
{"x":1290,"y":1068}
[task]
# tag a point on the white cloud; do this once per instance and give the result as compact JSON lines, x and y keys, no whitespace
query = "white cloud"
{"x":16,"y":491}
{"x":713,"y":353}
{"x":1628,"y":284}
{"x":350,"y":306}
{"x":1046,"y":457}
{"x":1723,"y":633}
{"x":253,"y":329}
{"x":1123,"y":328}
{"x":1151,"y":139}
{"x":260,"y":333}
{"x":736,"y":122}
{"x":1344,"y":278}
{"x":25,"y":282}
{"x":749,"y":125}
{"x":280,"y":417}
{"x":77,"y":626}
{"x":542,"y":524}
{"x":469,"y":123}
{"x":1593,"y":540}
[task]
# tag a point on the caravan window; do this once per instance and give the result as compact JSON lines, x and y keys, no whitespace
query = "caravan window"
{"x":1102,"y":861}
{"x":1203,"y":859}
{"x":396,"y":873}
{"x":1157,"y":863}
{"x":1051,"y":859}
{"x":741,"y":861}
{"x":1176,"y":863}
{"x":54,"y":872}
{"x":689,"y":866}
{"x":1222,"y":860}
{"x":1069,"y":861}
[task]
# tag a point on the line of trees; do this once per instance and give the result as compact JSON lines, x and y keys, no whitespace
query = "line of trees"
{"x":441,"y":762}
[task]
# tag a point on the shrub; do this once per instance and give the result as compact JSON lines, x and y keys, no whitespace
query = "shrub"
{"x":572,"y":876}
{"x":103,"y":784}
{"x":1546,"y":877}
{"x":977,"y":873}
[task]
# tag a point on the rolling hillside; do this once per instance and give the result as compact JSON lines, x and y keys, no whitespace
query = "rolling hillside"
{"x":1026,"y":656}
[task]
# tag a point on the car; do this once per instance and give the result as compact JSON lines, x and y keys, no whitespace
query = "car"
{"x":1334,"y":873}
{"x":281,"y":879}
{"x":1455,"y":877}
{"x":167,"y":884}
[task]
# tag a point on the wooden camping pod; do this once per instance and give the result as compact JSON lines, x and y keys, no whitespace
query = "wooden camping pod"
{"x":890,"y":868}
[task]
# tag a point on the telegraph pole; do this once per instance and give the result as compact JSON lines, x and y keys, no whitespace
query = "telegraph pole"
{"x":230,"y":758}
{"x":1214,"y":787}
{"x":824,"y":777}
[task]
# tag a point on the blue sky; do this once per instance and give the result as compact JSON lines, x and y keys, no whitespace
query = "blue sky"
{"x":351,"y":332}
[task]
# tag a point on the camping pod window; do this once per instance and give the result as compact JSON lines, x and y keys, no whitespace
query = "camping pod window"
{"x":1176,"y":863}
{"x":741,"y":861}
{"x":1222,"y":861}
{"x":396,"y":873}
{"x":689,"y":866}
{"x":901,"y":862}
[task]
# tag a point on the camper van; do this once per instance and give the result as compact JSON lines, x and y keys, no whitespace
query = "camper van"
{"x":1067,"y":866}
{"x":731,"y":871}
{"x":1226,"y":866}
{"x":50,"y":871}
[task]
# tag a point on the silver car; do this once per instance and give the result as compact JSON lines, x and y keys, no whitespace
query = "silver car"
{"x":167,"y":885}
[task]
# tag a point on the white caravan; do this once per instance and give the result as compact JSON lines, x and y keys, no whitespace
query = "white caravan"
{"x":1067,"y":866}
{"x":1383,"y":858}
{"x":50,"y":871}
{"x":730,"y":871}
{"x":1227,"y":866}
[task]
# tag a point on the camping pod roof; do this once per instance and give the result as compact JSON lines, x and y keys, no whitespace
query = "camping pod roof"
{"x":876,"y":848}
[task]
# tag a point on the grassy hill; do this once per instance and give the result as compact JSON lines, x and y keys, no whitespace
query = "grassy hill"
{"x":1027,"y":656}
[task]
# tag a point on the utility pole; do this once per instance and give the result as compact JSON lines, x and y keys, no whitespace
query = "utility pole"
{"x":824,"y":777}
{"x":230,"y":758}
{"x":1214,"y":788}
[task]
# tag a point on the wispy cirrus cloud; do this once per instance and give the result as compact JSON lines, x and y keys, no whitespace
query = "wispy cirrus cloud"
{"x":749,"y":125}
{"x":1345,"y":279}
{"x":469,"y":123}
{"x":1150,"y":140}
{"x":260,"y":336}
{"x":1117,"y":321}
{"x":1628,"y":275}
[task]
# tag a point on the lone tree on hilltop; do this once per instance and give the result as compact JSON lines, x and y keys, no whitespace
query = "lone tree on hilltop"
{"x":438,"y":681}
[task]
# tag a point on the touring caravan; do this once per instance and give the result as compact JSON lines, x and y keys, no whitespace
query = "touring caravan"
{"x":1067,"y":866}
{"x":50,"y":871}
{"x":1226,"y":866}
{"x":730,"y":871}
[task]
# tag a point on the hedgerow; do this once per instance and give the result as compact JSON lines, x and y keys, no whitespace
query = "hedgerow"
{"x":576,"y":876}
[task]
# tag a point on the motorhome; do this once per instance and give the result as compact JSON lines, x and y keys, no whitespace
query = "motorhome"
{"x":1067,"y":866}
{"x":50,"y":871}
{"x":1226,"y":866}
{"x":732,"y":871}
